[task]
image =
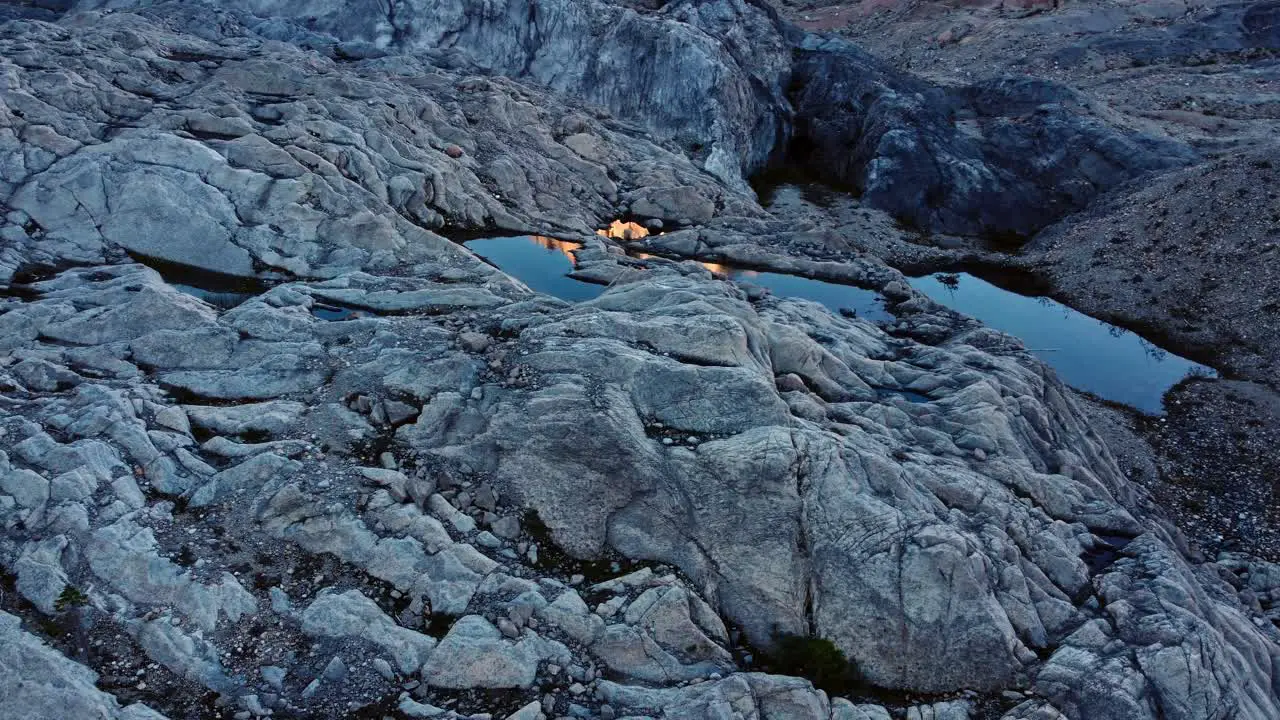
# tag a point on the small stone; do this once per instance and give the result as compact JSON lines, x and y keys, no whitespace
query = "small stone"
{"x":577,"y":689}
{"x":475,"y":342}
{"x":273,"y":675}
{"x":384,"y":668}
{"x":508,"y":628}
{"x":454,"y":151}
{"x":311,"y":689}
{"x":790,"y":383}
{"x":486,"y":498}
{"x":388,"y":461}
{"x":896,"y":290}
{"x":336,"y":670}
{"x":506,"y":527}
{"x":607,"y":712}
{"x":251,"y":703}
{"x":979,"y":454}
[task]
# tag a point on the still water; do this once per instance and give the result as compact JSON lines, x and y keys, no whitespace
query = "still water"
{"x":542,"y":263}
{"x":1088,"y":354}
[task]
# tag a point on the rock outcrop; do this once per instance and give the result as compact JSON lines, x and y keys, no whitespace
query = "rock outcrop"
{"x":1003,"y":157}
{"x":388,"y":478}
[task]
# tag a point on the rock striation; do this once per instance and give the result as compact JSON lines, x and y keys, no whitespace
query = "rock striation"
{"x":388,"y":479}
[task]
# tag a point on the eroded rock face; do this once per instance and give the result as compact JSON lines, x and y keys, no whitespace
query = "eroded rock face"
{"x":317,"y":172}
{"x":709,"y":76}
{"x":1002,"y":157}
{"x":315,"y":512}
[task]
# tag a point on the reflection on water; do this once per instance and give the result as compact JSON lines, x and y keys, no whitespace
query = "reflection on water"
{"x":619,"y":230}
{"x":542,"y":263}
{"x":1088,"y":354}
{"x":333,"y":313}
{"x":838,"y":298}
{"x":561,"y":246}
{"x":726,"y":270}
{"x":846,"y":299}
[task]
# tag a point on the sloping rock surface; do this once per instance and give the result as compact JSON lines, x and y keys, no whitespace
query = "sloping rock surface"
{"x":459,"y":496}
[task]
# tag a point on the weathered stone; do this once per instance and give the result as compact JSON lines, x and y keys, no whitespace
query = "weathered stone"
{"x":474,"y":654}
{"x":352,"y":615}
{"x":38,"y":683}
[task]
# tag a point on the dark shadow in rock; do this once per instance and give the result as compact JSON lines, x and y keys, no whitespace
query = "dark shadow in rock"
{"x":552,"y":559}
{"x":999,"y":159}
{"x":218,"y":289}
{"x":1105,"y":552}
{"x":910,"y":396}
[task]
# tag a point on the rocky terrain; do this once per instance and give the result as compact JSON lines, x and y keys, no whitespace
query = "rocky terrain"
{"x":273,"y":443}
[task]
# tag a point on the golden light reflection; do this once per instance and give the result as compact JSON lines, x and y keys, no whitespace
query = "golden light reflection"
{"x":563,"y":246}
{"x":619,"y":230}
{"x":717,"y":268}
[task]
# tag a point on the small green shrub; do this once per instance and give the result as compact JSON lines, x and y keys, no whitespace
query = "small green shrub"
{"x":70,"y":597}
{"x":816,"y":659}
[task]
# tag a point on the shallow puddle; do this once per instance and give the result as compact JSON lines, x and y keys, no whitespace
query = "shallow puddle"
{"x":1089,"y":354}
{"x":333,"y":313}
{"x":866,"y":304}
{"x":542,"y":263}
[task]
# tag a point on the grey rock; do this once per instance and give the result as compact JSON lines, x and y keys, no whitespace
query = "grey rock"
{"x":532,"y":711}
{"x":898,"y":143}
{"x":27,"y":488}
{"x":43,"y":376}
{"x":764,"y":696}
{"x":474,"y":654}
{"x":384,"y":669}
{"x":273,"y":675}
{"x":414,"y":709}
{"x":37,"y":682}
{"x":270,"y":418}
{"x":41,"y":577}
{"x":125,"y":556}
{"x":352,"y":615}
{"x":506,"y":527}
{"x":174,"y":418}
{"x":842,"y":709}
{"x":954,"y":710}
{"x":335,"y":671}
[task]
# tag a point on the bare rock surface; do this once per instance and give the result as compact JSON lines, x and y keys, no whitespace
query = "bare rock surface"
{"x":390,"y":480}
